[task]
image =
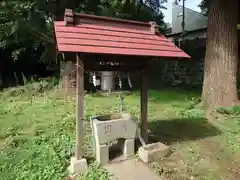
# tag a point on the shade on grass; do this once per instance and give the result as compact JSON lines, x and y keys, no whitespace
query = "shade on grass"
{"x":37,"y":137}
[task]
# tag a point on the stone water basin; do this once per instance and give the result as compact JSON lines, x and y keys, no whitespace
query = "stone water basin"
{"x":111,"y":127}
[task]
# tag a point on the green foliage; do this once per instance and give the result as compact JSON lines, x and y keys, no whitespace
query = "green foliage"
{"x":235,"y":110}
{"x":10,"y":13}
{"x":37,"y":138}
{"x":204,"y":6}
{"x":95,"y":172}
{"x":130,"y":10}
{"x":32,"y":87}
{"x":23,"y":26}
{"x":29,"y":23}
{"x":27,"y":33}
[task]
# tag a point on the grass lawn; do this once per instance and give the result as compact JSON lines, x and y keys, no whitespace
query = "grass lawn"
{"x":37,"y":136}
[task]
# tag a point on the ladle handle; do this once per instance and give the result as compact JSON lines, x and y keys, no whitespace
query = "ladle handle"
{"x":141,"y":139}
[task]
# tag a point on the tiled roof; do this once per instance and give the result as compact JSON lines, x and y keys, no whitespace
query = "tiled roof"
{"x":104,"y":35}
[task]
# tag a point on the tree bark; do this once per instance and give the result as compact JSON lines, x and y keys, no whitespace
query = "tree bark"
{"x":220,"y":71}
{"x":68,"y":74}
{"x":67,"y":79}
{"x":238,"y":71}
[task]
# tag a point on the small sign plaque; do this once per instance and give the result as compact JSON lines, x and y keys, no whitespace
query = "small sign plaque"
{"x":108,"y":128}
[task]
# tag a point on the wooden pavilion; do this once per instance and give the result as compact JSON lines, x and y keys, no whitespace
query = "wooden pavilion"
{"x":108,"y":44}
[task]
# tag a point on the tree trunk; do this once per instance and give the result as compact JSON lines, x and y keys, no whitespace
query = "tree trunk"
{"x":238,"y":71}
{"x":220,"y":71}
{"x":67,"y":79}
{"x":68,"y":74}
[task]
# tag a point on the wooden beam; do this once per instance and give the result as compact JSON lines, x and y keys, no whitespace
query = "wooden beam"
{"x":113,"y":68}
{"x":144,"y":103}
{"x":96,"y":58}
{"x":79,"y":108}
{"x":122,"y":65}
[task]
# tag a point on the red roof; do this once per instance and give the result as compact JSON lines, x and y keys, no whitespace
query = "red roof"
{"x":96,"y":34}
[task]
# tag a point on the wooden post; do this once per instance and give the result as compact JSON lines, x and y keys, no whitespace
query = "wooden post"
{"x":79,"y":108}
{"x":144,"y":103}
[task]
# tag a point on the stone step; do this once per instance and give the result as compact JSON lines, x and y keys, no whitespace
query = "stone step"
{"x":131,"y":169}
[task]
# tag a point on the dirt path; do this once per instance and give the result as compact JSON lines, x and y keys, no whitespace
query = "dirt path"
{"x":131,"y":169}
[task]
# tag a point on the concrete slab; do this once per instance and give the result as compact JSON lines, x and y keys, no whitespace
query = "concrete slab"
{"x":131,"y":169}
{"x":153,"y":152}
{"x":77,"y":166}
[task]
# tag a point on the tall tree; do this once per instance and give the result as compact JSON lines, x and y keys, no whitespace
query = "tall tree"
{"x":220,"y":71}
{"x":204,"y":6}
{"x":28,"y":23}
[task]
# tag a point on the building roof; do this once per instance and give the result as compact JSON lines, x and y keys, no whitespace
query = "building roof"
{"x":193,"y":20}
{"x":186,"y":32}
{"x":104,"y":35}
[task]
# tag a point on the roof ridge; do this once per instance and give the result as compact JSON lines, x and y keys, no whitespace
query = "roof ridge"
{"x":106,"y":18}
{"x":70,"y":19}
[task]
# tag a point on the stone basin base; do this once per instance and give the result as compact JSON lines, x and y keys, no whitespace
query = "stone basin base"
{"x":152,"y":152}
